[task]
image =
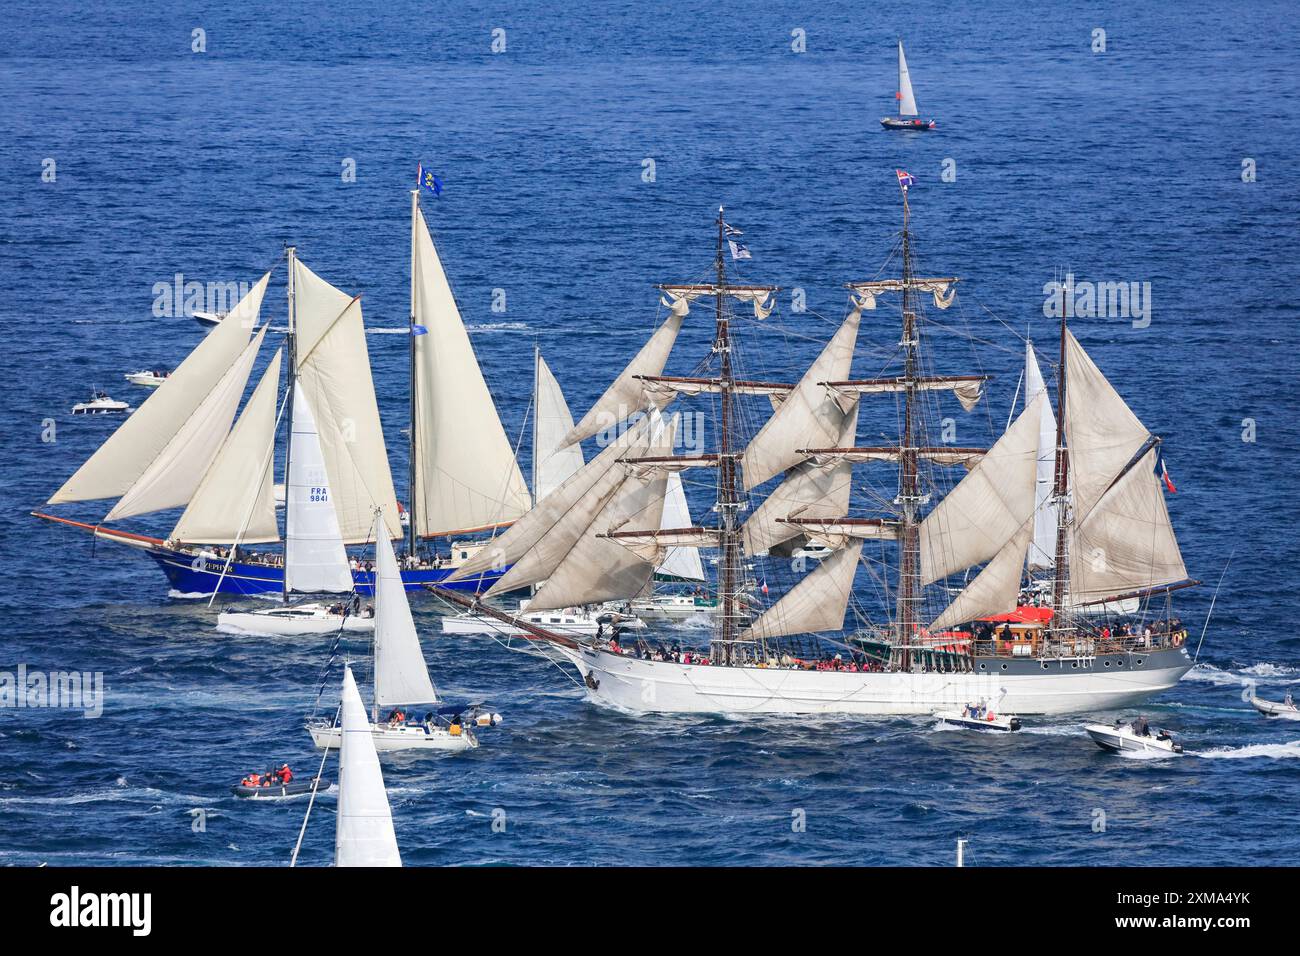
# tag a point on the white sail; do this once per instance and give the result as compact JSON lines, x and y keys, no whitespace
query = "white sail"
{"x":678,"y":561}
{"x":466,"y":476}
{"x":809,"y":417}
{"x":524,"y":535}
{"x":996,"y":589}
{"x":235,"y":501}
{"x":1125,"y":542}
{"x":401,"y":675}
{"x":1042,"y":549}
{"x":363,"y":831}
{"x":595,"y":568}
{"x":974,"y":521}
{"x":628,"y":394}
{"x":553,"y":462}
{"x":817,"y":603}
{"x":1101,"y":431}
{"x":906,"y":98}
{"x":123,"y":458}
{"x":334,"y":374}
{"x":814,"y":488}
{"x":314,"y":557}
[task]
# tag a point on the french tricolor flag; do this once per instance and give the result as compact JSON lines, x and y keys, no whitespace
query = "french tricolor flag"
{"x":1163,"y":474}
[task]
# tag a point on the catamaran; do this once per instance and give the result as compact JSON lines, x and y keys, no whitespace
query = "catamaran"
{"x":907,"y":117}
{"x":921,"y":646}
{"x":179,"y":449}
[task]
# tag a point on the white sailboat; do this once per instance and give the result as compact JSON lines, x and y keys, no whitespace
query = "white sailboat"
{"x":907,"y":117}
{"x":401,"y":674}
{"x":933,"y":650}
{"x":363,"y":830}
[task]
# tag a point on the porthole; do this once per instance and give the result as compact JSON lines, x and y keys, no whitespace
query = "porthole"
{"x":1108,"y":663}
{"x":1074,"y":664}
{"x":1139,"y":662}
{"x":1044,"y":665}
{"x":1004,"y":666}
{"x":983,"y":666}
{"x":1119,"y":663}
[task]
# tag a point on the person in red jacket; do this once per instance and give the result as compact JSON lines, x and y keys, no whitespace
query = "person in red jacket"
{"x":285,"y":774}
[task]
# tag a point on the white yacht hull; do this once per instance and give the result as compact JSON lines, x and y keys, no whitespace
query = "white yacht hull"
{"x":287,"y":622}
{"x":570,"y":625}
{"x":406,"y":737}
{"x":1271,"y":708}
{"x":1061,"y":687}
{"x":1116,"y":739}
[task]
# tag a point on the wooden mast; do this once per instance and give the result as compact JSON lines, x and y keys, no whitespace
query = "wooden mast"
{"x":909,"y":498}
{"x":1060,"y":491}
{"x":728,"y":498}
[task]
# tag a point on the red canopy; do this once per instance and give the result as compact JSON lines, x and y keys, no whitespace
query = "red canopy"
{"x":1023,"y":615}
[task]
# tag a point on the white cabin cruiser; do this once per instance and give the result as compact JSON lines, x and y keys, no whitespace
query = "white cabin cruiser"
{"x":1285,"y":709}
{"x":149,"y":378}
{"x":1136,"y":736}
{"x":101,"y":404}
{"x":979,"y":717}
{"x":307,"y":618}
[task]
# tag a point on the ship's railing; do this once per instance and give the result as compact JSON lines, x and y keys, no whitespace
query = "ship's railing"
{"x":1079,"y":644}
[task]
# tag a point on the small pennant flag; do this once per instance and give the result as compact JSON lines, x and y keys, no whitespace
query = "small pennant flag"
{"x":419,"y":330}
{"x":1163,"y":474}
{"x":427,"y":181}
{"x":905,"y":179}
{"x":731,"y":230}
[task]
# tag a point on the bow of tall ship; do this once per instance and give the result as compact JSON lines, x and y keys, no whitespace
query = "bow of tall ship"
{"x":1040,"y":580}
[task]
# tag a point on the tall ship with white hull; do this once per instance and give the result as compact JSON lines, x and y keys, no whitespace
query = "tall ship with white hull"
{"x":1067,"y":507}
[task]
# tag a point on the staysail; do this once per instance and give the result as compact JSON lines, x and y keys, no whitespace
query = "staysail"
{"x":1042,"y":549}
{"x":553,"y":462}
{"x":996,"y":589}
{"x":401,"y":675}
{"x":174,"y":475}
{"x":906,"y":98}
{"x":363,"y":834}
{"x":334,"y":373}
{"x":678,"y":561}
{"x":314,"y":557}
{"x":123,"y":458}
{"x":817,"y":603}
{"x":235,"y":501}
{"x":466,"y":476}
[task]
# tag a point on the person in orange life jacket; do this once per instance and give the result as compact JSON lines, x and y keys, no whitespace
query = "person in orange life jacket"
{"x":252,"y":780}
{"x":285,"y":774}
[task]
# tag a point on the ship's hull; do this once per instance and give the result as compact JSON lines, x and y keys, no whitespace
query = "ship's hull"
{"x":1025,"y":686}
{"x":190,"y":574}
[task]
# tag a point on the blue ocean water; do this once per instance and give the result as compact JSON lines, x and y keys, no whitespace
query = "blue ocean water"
{"x":1122,"y":165}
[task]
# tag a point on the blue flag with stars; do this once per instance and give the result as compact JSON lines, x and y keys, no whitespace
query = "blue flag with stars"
{"x":427,"y":180}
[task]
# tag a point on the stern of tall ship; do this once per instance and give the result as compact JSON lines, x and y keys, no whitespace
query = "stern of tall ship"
{"x":1019,"y":686}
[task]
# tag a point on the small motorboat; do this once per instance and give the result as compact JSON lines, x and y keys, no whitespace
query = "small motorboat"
{"x":1286,"y":709}
{"x":208,"y":319}
{"x":101,"y":404}
{"x":298,"y":619}
{"x":979,"y":717}
{"x":1134,"y":736}
{"x":148,"y":378}
{"x":294,"y":788}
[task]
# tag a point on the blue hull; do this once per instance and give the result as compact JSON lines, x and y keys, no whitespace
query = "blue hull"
{"x":194,"y":575}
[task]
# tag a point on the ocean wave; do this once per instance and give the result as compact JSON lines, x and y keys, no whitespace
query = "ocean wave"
{"x":1273,"y":751}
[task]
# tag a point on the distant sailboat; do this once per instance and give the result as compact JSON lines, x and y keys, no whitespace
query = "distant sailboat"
{"x":907,"y":117}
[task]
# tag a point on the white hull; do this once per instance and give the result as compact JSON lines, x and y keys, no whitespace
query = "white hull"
{"x":1271,"y":708}
{"x":389,"y":739}
{"x":1123,"y":738}
{"x":1004,"y":723}
{"x":660,"y":687}
{"x":147,"y":379}
{"x":672,"y":609}
{"x":568,"y":624}
{"x":309,"y":619}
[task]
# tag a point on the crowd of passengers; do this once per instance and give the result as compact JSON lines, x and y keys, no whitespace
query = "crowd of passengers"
{"x":643,"y":650}
{"x":272,"y":559}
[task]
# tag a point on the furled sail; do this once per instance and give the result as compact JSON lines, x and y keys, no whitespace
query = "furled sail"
{"x":1101,"y":431}
{"x":523,"y":536}
{"x":815,"y":488}
{"x":401,"y":675}
{"x":906,"y":99}
{"x":553,"y":462}
{"x":596,"y":568}
{"x":314,"y":557}
{"x":809,"y":416}
{"x":817,"y":603}
{"x":363,"y":831}
{"x":123,"y":458}
{"x":628,"y":394}
{"x":974,"y":521}
{"x":174,"y":475}
{"x":1042,"y":549}
{"x":996,"y":589}
{"x":679,"y":561}
{"x":334,"y":373}
{"x":466,"y":476}
{"x":235,"y":501}
{"x":1125,"y":542}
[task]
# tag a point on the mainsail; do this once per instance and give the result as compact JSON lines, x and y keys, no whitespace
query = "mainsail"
{"x":906,"y":98}
{"x":401,"y":675}
{"x":123,"y":458}
{"x":466,"y":476}
{"x":314,"y":557}
{"x":363,"y":834}
{"x":333,"y":371}
{"x":235,"y":501}
{"x":174,"y":475}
